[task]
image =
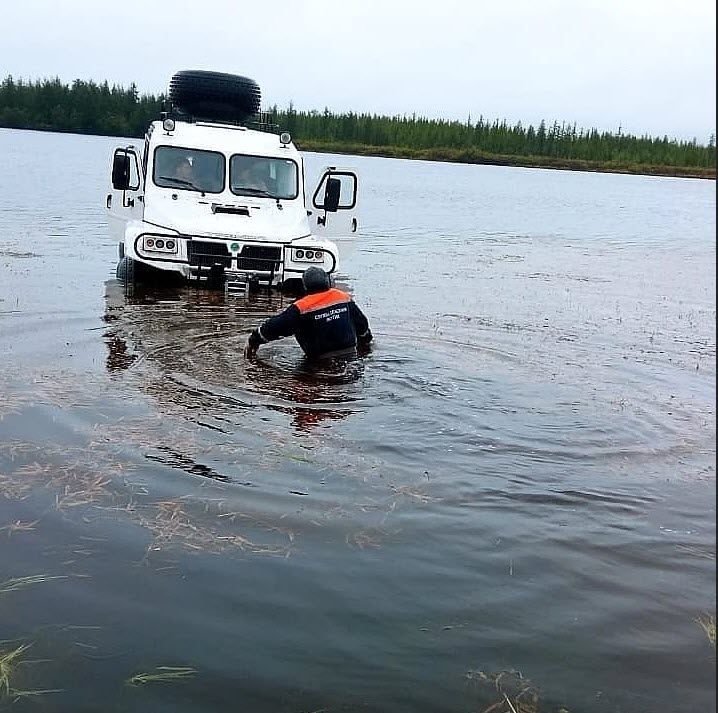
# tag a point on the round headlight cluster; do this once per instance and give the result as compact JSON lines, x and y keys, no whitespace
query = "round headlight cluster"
{"x":160,"y":244}
{"x":304,"y":254}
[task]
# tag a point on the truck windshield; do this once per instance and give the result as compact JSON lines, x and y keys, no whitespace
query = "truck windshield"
{"x":263,"y":176}
{"x":189,"y":169}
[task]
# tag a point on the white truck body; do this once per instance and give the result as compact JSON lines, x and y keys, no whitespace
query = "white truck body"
{"x":215,"y":227}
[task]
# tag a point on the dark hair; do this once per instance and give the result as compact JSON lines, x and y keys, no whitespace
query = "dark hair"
{"x":315,"y":280}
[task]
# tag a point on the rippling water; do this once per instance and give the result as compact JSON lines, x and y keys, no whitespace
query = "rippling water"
{"x":513,"y":493}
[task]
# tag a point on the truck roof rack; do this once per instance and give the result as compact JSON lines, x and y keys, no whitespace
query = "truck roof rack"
{"x":259,"y":122}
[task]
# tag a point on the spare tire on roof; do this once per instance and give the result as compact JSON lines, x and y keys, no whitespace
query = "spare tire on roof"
{"x":214,"y":95}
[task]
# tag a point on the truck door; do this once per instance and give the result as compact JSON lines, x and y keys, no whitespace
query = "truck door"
{"x":333,"y":206}
{"x":124,"y":201}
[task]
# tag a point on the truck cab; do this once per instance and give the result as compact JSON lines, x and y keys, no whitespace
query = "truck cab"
{"x":223,"y":199}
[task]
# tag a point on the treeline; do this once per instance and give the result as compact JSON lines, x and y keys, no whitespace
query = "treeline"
{"x":87,"y":107}
{"x":557,"y":141}
{"x":81,"y":107}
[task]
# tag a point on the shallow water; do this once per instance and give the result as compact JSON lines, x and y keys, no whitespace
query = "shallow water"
{"x":519,"y":477}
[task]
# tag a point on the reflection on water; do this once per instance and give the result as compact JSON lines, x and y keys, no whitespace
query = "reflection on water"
{"x":512,"y":497}
{"x":197,"y":336}
{"x":118,"y":358}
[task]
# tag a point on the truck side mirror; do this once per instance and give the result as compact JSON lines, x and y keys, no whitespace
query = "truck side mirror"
{"x":331,"y":195}
{"x":121,"y":171}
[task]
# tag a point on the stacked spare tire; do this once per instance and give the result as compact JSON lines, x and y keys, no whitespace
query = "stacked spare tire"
{"x":215,"y":96}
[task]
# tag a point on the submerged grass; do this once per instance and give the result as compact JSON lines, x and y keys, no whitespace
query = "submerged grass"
{"x":173,"y":525}
{"x":509,"y":692}
{"x":708,"y":624}
{"x":162,"y":674}
{"x":19,"y":526}
{"x":12,"y":585}
{"x":101,"y":484}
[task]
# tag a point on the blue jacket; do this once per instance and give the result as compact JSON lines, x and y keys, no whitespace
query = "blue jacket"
{"x":323,"y":323}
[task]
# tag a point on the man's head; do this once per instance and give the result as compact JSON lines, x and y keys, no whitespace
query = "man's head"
{"x":315,"y":280}
{"x":183,"y":169}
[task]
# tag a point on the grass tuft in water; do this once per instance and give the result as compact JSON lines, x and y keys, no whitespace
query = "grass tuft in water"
{"x":509,"y":692}
{"x":708,"y":624}
{"x":162,"y":674}
{"x":8,"y":661}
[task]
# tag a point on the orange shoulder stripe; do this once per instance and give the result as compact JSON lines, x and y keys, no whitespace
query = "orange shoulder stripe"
{"x":321,"y":299}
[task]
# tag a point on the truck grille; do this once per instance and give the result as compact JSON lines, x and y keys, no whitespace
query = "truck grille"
{"x":257,"y":258}
{"x":205,"y":254}
{"x":264,"y":258}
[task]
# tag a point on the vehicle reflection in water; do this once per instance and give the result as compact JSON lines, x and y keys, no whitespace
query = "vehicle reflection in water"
{"x":313,"y":385}
{"x":196,"y":338}
{"x":118,"y":357}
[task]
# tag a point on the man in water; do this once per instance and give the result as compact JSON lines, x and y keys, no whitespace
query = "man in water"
{"x":326,"y":322}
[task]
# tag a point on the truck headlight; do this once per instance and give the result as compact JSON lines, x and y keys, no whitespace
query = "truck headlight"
{"x":157,"y":244}
{"x":308,"y":255}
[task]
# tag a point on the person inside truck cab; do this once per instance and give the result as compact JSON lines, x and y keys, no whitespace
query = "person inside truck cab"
{"x":326,"y":322}
{"x":184,"y":171}
{"x":251,"y":176}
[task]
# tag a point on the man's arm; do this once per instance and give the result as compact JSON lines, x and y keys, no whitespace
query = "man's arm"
{"x":361,"y":323}
{"x":281,"y":325}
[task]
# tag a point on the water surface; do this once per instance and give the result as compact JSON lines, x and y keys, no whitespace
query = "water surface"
{"x":519,"y":478}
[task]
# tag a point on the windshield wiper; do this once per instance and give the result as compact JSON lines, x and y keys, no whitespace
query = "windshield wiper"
{"x":253,"y":192}
{"x":180,"y":181}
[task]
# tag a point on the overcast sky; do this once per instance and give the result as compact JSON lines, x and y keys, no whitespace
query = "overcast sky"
{"x":648,"y":66}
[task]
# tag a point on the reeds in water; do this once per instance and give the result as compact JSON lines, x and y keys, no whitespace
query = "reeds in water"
{"x":11,"y":585}
{"x":708,"y":624}
{"x":511,"y":693}
{"x":10,"y":659}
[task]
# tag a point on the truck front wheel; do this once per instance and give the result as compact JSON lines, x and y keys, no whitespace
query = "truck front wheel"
{"x":126,"y":271}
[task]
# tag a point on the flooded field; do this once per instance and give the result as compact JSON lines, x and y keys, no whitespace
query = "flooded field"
{"x":509,"y":503}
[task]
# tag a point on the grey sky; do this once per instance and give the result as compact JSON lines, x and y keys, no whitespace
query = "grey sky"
{"x":648,"y":66}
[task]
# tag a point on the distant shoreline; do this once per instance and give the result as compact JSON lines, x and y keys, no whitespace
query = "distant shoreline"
{"x":469,"y":156}
{"x":487,"y":159}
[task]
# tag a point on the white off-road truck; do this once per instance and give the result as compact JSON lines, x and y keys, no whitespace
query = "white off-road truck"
{"x":218,"y":196}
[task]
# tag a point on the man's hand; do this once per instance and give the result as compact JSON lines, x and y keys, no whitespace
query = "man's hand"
{"x":365,"y":338}
{"x":364,"y":343}
{"x":250,"y":351}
